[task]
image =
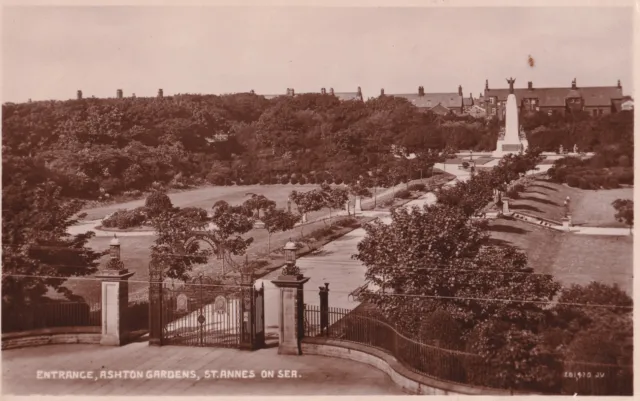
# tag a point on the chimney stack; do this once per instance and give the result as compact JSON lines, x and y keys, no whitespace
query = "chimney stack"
{"x":486,"y":84}
{"x":574,"y":84}
{"x":252,"y":92}
{"x":420,"y":90}
{"x":382,"y":92}
{"x":359,"y":91}
{"x":80,"y":93}
{"x":323,"y":91}
{"x":160,"y":93}
{"x":133,"y":95}
{"x":530,"y":85}
{"x":119,"y":93}
{"x":619,"y":85}
{"x":331,"y":91}
{"x":460,"y":90}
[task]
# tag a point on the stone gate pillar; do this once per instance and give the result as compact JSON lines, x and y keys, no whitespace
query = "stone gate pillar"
{"x":290,"y":313}
{"x":115,"y":298}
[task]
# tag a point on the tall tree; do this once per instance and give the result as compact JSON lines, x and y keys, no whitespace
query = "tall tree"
{"x":310,"y":201}
{"x":258,"y":203}
{"x":38,"y":254}
{"x":439,"y":253}
{"x":175,"y":247}
{"x":276,"y":220}
{"x":334,"y":198}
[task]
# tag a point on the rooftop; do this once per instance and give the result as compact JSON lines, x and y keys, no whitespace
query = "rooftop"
{"x":555,"y":97}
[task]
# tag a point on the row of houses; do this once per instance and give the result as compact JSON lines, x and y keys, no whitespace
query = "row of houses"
{"x":595,"y":100}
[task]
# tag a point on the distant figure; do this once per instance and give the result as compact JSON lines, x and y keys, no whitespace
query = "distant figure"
{"x":511,"y":81}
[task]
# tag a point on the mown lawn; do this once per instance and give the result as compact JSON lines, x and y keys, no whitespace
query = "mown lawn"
{"x":571,"y":258}
{"x":588,"y":207}
{"x":594,"y":209}
{"x":207,"y":196}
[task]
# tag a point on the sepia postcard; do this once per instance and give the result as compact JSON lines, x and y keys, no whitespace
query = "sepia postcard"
{"x":303,"y":199}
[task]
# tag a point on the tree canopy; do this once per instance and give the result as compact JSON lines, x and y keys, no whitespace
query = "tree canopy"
{"x":99,"y":147}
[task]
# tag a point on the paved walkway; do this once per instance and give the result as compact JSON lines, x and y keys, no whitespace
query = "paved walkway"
{"x":615,"y":231}
{"x":315,"y":375}
{"x":333,"y":265}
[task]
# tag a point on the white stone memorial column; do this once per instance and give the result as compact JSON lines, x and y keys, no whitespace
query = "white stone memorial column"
{"x":358,"y":206}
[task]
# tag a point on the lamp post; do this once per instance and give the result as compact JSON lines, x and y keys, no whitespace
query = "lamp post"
{"x":290,"y":268}
{"x":114,"y":262}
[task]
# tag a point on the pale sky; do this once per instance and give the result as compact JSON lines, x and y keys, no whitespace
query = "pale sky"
{"x":50,"y":53}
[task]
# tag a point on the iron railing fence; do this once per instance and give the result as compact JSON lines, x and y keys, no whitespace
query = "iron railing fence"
{"x":50,"y":315}
{"x":369,"y":328}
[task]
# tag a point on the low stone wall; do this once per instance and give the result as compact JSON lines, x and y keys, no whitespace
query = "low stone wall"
{"x":409,"y":381}
{"x":538,"y":221}
{"x":58,"y":335}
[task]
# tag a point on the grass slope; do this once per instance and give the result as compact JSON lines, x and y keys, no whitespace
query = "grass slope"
{"x":588,"y":207}
{"x":571,"y":258}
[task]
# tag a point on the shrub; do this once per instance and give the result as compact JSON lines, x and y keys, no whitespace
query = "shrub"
{"x":123,"y":219}
{"x":157,"y":203}
{"x":347,"y":222}
{"x":303,"y":180}
{"x":417,"y":187}
{"x":626,"y":177}
{"x":623,"y":161}
{"x":284,"y":179}
{"x":386,"y":202}
{"x":321,"y":232}
{"x":573,"y":181}
{"x":584,"y":184}
{"x":403,"y":194}
{"x":611,"y":182}
{"x":515,"y":191}
{"x":465,"y":165}
{"x":338,"y":181}
{"x":312,"y":179}
{"x":294,"y":180}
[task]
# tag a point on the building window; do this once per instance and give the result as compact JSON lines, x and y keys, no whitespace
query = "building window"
{"x":600,"y":112}
{"x":595,"y":112}
{"x":550,"y":112}
{"x":492,"y":100}
{"x":493,"y":112}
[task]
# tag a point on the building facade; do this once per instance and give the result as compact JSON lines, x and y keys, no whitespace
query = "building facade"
{"x":439,"y":103}
{"x":357,"y":95}
{"x":595,"y":100}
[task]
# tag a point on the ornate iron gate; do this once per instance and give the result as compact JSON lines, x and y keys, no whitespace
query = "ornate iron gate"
{"x":201,"y":313}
